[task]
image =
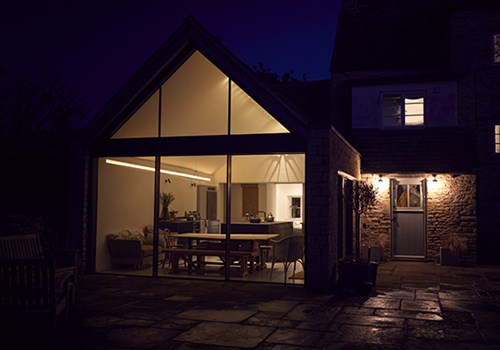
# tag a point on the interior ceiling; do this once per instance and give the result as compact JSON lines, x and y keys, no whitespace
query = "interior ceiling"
{"x":267,"y":168}
{"x":207,"y":164}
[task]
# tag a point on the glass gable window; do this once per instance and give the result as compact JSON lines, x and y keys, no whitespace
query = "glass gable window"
{"x":198,"y":99}
{"x":497,"y":138}
{"x":402,"y":110}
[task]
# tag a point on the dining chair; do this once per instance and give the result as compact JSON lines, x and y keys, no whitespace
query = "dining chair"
{"x":288,"y":250}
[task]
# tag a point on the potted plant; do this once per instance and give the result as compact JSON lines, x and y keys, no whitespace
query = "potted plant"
{"x":166,"y":199}
{"x":364,"y":198}
{"x":454,"y":249}
{"x":358,"y":276}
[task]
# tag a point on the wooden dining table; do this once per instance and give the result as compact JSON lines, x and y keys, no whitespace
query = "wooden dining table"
{"x":258,"y":239}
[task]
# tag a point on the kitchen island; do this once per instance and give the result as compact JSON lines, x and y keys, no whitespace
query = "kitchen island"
{"x":283,"y":228}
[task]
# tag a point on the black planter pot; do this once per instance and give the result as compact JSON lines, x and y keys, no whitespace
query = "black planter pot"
{"x":357,"y":277}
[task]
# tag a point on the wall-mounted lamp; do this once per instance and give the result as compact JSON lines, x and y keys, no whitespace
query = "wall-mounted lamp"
{"x":380,"y":178}
{"x":193,"y":184}
{"x":434,"y":178}
{"x":168,"y":180}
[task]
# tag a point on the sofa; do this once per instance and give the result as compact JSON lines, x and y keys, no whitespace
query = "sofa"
{"x":131,"y":248}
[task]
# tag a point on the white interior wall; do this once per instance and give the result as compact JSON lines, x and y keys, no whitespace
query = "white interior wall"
{"x":271,"y":199}
{"x":125,"y":201}
{"x":236,"y":203}
{"x":185,"y":194}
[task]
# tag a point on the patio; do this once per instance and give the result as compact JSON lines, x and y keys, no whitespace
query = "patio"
{"x":417,"y":305}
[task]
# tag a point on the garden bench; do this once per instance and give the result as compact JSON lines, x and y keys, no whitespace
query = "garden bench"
{"x":32,"y":290}
{"x":30,"y":246}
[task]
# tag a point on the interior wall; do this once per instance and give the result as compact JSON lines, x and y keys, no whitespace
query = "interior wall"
{"x":271,"y":199}
{"x":125,"y":201}
{"x":185,"y":194}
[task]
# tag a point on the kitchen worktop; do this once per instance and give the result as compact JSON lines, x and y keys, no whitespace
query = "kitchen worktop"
{"x":283,"y":228}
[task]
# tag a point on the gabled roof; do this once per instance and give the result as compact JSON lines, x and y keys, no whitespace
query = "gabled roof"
{"x":189,"y":37}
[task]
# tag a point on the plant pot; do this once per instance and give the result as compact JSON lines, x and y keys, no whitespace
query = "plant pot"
{"x":357,"y":277}
{"x":449,"y":257}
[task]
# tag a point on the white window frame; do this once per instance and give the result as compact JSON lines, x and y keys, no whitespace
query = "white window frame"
{"x":496,"y":48}
{"x":403,"y":96}
{"x":497,"y":138}
{"x":290,"y":212}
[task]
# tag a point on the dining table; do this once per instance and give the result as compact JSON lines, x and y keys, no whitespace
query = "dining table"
{"x":257,"y":241}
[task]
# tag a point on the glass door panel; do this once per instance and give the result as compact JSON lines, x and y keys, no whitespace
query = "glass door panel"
{"x":125,"y":198}
{"x":267,"y":200}
{"x":191,"y":216}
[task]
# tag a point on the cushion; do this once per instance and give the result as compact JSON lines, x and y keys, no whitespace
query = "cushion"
{"x":127,"y":234}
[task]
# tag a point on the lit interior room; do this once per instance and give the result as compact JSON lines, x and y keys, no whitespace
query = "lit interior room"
{"x":266,"y":196}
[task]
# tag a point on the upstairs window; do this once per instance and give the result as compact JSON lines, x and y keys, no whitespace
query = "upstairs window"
{"x":497,"y":138}
{"x":496,"y":48}
{"x":403,"y":110}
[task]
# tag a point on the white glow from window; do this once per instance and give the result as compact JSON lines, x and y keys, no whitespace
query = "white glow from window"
{"x":496,"y":48}
{"x":147,"y":168}
{"x":414,"y":111}
{"x":497,"y":138}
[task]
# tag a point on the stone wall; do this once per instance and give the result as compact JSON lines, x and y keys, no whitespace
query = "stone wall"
{"x":376,"y":224}
{"x":451,"y":209}
{"x":327,"y":153}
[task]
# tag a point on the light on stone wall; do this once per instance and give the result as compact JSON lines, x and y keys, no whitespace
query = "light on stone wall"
{"x":434,"y":178}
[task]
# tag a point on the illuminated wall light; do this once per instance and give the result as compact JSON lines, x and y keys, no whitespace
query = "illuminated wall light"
{"x":434,"y":178}
{"x":380,"y":178}
{"x":147,"y":168}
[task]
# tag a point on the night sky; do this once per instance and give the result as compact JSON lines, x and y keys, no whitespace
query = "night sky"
{"x":97,"y":45}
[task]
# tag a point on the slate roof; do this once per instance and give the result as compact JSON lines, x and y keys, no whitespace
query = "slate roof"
{"x":396,"y":34}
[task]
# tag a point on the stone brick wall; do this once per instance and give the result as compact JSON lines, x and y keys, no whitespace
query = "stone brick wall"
{"x":327,"y":152}
{"x":451,"y":209}
{"x":376,"y":223}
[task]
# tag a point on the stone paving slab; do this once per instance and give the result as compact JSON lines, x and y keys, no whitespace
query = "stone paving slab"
{"x":300,"y":337}
{"x":382,"y":303}
{"x":452,"y":331}
{"x":138,"y":338}
{"x":370,"y":335}
{"x":376,"y":321}
{"x":225,"y":334}
{"x":420,"y":305}
{"x":233,"y":316}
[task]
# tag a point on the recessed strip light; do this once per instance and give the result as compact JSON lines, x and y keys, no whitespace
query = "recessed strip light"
{"x":148,"y":168}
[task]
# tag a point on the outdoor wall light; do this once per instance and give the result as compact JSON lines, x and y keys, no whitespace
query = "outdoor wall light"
{"x":434,"y":178}
{"x":380,"y":178}
{"x":163,"y":171}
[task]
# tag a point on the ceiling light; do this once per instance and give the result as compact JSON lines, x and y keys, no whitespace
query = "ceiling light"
{"x":163,"y":171}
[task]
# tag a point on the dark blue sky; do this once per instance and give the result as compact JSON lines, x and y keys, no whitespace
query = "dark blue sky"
{"x":98,"y":45}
